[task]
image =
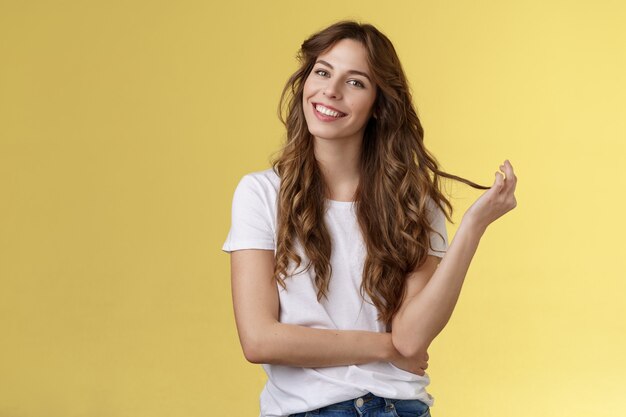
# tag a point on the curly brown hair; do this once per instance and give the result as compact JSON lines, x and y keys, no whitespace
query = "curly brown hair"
{"x":398,"y":176}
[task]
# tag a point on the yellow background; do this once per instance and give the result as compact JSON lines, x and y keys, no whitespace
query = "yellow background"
{"x":126,"y":125}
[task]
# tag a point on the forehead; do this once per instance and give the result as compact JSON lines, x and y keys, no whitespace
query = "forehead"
{"x":347,"y":54}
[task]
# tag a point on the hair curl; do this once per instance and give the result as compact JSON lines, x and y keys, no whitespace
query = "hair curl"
{"x":398,"y":176}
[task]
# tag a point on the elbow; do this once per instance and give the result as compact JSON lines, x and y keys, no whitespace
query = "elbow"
{"x":408,"y":345}
{"x":251,"y":353}
{"x":252,"y":350}
{"x":255,"y":346}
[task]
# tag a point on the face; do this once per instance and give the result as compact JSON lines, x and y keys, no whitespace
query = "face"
{"x":338,"y":94}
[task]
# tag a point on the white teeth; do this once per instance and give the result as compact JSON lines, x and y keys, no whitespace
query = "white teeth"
{"x":327,"y":111}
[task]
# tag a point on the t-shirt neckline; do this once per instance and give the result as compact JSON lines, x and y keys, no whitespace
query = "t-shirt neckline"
{"x":337,"y":203}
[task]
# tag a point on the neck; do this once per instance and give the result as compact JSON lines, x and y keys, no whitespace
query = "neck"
{"x":339,"y":163}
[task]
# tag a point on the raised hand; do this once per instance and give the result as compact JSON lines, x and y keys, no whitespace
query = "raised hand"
{"x":496,"y":201}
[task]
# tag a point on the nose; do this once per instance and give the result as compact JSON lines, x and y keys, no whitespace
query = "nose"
{"x":332,"y":89}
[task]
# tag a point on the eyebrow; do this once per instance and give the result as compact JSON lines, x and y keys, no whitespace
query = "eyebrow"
{"x":321,"y":61}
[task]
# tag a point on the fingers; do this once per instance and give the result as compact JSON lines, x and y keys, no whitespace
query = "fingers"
{"x":498,"y":183}
{"x":511,"y":175}
{"x":509,"y":183}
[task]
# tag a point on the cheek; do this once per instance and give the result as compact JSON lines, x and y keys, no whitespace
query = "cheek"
{"x":369,"y":105}
{"x":309,"y":84}
{"x":364,"y":106}
{"x":314,"y":84}
{"x":307,"y":93}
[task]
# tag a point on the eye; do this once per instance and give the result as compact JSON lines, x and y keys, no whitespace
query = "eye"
{"x":324,"y":73}
{"x":357,"y":83}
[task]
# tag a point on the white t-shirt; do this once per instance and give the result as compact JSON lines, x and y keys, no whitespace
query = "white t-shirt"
{"x":292,"y":389}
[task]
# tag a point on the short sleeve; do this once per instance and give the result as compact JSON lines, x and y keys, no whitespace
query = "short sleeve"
{"x":251,"y":222}
{"x":439,"y":244}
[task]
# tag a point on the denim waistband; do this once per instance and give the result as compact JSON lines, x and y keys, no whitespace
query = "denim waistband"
{"x":362,"y":403}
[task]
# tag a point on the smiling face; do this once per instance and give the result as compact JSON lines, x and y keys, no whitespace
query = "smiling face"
{"x":338,"y":94}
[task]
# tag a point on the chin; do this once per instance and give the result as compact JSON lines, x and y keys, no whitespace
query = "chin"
{"x":324,"y":134}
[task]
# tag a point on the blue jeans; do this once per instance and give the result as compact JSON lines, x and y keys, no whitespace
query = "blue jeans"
{"x":370,"y":405}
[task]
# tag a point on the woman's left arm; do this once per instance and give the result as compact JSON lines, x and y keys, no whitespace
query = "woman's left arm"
{"x":432,"y":296}
{"x":432,"y":291}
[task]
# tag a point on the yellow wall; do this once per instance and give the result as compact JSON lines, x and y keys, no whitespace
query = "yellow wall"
{"x":125,"y":126}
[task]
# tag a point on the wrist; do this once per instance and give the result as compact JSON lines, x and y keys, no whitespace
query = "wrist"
{"x":472,"y":226}
{"x":388,"y":350}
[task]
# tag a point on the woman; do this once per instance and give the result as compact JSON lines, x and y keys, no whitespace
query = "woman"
{"x":339,"y":277}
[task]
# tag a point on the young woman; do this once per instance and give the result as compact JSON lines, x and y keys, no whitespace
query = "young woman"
{"x":339,"y":277}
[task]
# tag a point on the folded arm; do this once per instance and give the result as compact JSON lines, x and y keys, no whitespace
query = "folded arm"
{"x":265,"y":340}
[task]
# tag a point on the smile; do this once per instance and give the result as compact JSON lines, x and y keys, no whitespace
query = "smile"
{"x":324,"y":113}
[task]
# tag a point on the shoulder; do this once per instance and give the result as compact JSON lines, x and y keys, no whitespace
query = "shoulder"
{"x":433,"y":208}
{"x":265,"y":180}
{"x":258,"y":189}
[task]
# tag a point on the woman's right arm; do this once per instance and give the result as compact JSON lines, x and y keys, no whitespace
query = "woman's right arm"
{"x":266,"y":340}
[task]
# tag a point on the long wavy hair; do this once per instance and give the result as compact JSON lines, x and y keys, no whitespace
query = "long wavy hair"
{"x":398,"y":176}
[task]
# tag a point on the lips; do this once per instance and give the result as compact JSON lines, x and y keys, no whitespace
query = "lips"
{"x":341,"y":114}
